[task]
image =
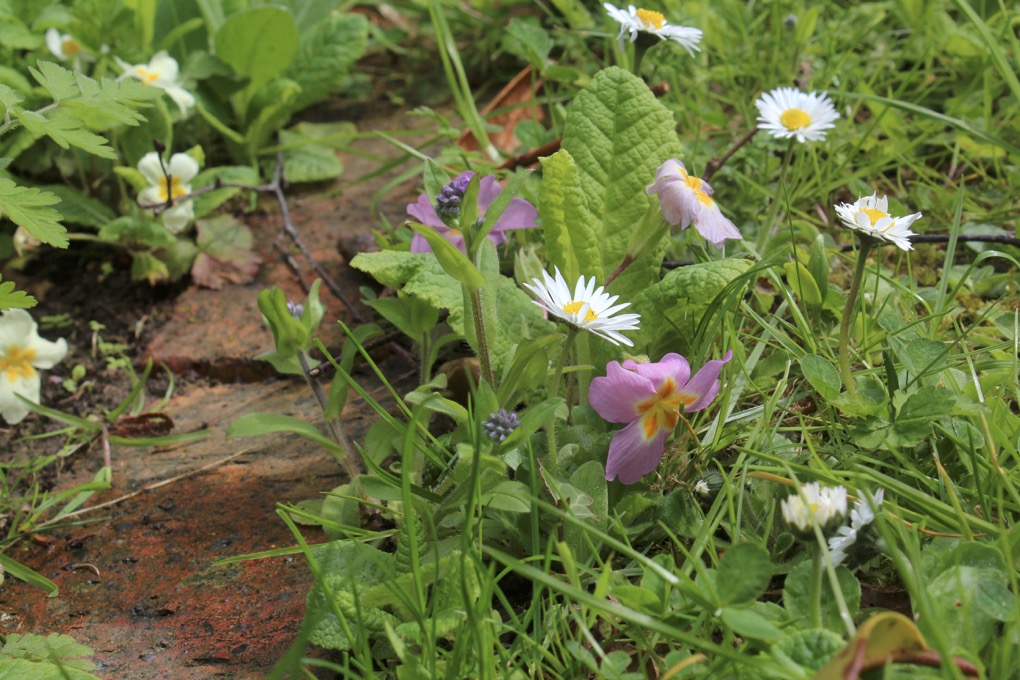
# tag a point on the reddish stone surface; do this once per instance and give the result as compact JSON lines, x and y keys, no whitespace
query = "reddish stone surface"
{"x":137,"y":579}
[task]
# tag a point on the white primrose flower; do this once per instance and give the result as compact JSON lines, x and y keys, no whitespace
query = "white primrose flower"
{"x":589,"y":308}
{"x":684,"y":198}
{"x":634,"y":21}
{"x":161,"y":72}
{"x":180,"y":169}
{"x":787,"y":112}
{"x":869,"y":215}
{"x":862,"y":515}
{"x":63,"y":46}
{"x":814,"y":504}
{"x":21,"y":352}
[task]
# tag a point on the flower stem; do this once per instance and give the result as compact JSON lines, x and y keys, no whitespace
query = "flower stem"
{"x":484,"y":360}
{"x":848,"y":313}
{"x":716,"y":164}
{"x":553,"y":389}
{"x":815,"y":596}
{"x":350,"y":460}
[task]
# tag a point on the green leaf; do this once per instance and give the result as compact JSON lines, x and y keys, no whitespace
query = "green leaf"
{"x":510,"y":496}
{"x":55,"y":651}
{"x":672,"y":309}
{"x":822,"y":375}
{"x":454,"y":262}
{"x":915,"y":417}
{"x":803,"y":285}
{"x":810,"y":648}
{"x":114,"y":100}
{"x":797,"y":595}
{"x":132,"y":230}
{"x":434,"y":178}
{"x":325,"y":56}
{"x":147,"y":267}
{"x":290,"y":336}
{"x":57,"y":80}
{"x":569,"y":240}
{"x":28,"y":208}
{"x":922,"y":356}
{"x":76,"y":208}
{"x":232,"y":174}
{"x":744,"y":574}
{"x":9,"y":98}
{"x":258,"y":43}
{"x":419,"y":274}
{"x":309,"y":162}
{"x":66,"y":130}
{"x":257,"y":424}
{"x":749,"y":624}
{"x":225,"y":252}
{"x":270,"y":110}
{"x":28,"y":575}
{"x":618,"y":134}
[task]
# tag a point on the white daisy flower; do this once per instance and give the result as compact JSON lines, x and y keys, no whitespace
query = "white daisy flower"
{"x":814,"y":504}
{"x":685,"y":199}
{"x":21,"y":352}
{"x":869,"y":215}
{"x":635,"y":21}
{"x":63,"y":46}
{"x":589,"y":308}
{"x":180,"y":169}
{"x":787,"y":112}
{"x":862,"y":515}
{"x":161,"y":72}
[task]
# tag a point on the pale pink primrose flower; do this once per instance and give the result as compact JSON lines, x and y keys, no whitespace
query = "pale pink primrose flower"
{"x":519,"y":214}
{"x":685,"y":199}
{"x":649,"y":398}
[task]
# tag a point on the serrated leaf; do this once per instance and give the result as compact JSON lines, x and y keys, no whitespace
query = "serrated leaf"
{"x":569,"y":239}
{"x":28,"y":208}
{"x":618,"y":134}
{"x":11,"y":299}
{"x":56,"y":80}
{"x":9,"y":98}
{"x":672,"y":309}
{"x":325,"y":56}
{"x":115,"y":100}
{"x":45,"y":657}
{"x":63,"y":128}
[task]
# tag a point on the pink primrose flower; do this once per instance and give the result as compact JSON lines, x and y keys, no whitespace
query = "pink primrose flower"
{"x":520,"y":214}
{"x":685,"y":199}
{"x":648,"y":397}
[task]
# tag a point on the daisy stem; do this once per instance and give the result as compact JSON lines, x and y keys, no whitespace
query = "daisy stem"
{"x":350,"y":459}
{"x":766,"y":232}
{"x":848,"y":313}
{"x":553,"y":389}
{"x":815,"y":597}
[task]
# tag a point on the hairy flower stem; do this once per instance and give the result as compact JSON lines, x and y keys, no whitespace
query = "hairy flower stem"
{"x":815,"y":596}
{"x":848,"y":313}
{"x":553,"y":389}
{"x":350,"y":460}
{"x":716,"y":164}
{"x":484,"y":360}
{"x":628,"y":260}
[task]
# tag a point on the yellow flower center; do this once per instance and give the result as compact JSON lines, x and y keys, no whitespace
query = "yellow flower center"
{"x":795,"y":119}
{"x":70,"y":47}
{"x":16,"y":363}
{"x":662,"y":412}
{"x":148,"y":77}
{"x":176,"y":188}
{"x":694,"y":183}
{"x":575,"y":306}
{"x":874,"y":215}
{"x":651,"y":20}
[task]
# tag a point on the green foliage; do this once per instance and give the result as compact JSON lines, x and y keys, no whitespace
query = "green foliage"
{"x":52,"y":657}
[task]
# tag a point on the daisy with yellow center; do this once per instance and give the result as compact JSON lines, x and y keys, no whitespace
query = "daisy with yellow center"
{"x":588,"y":308}
{"x":815,"y":504}
{"x":870,"y":215}
{"x":161,"y":72}
{"x":649,"y":398}
{"x":166,"y":184}
{"x":634,"y":21}
{"x":685,"y":198}
{"x":787,"y":112}
{"x":22,"y":351}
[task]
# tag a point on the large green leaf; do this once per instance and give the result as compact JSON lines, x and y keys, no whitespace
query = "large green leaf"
{"x":259,"y":44}
{"x":618,"y":134}
{"x":325,"y":56}
{"x":572,"y":244}
{"x":30,"y":208}
{"x":672,"y":309}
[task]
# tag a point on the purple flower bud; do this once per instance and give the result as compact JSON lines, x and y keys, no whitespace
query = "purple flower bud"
{"x":500,"y":424}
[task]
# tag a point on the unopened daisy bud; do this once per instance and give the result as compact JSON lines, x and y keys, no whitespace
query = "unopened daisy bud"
{"x":709,"y":485}
{"x":815,"y":504}
{"x":857,"y":542}
{"x":500,"y":424}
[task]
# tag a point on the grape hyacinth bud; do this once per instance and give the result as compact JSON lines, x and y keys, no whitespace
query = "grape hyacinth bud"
{"x":500,"y":424}
{"x":448,"y":201}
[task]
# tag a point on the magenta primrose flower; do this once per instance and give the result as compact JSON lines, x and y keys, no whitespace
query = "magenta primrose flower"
{"x":520,"y":214}
{"x":648,"y":397}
